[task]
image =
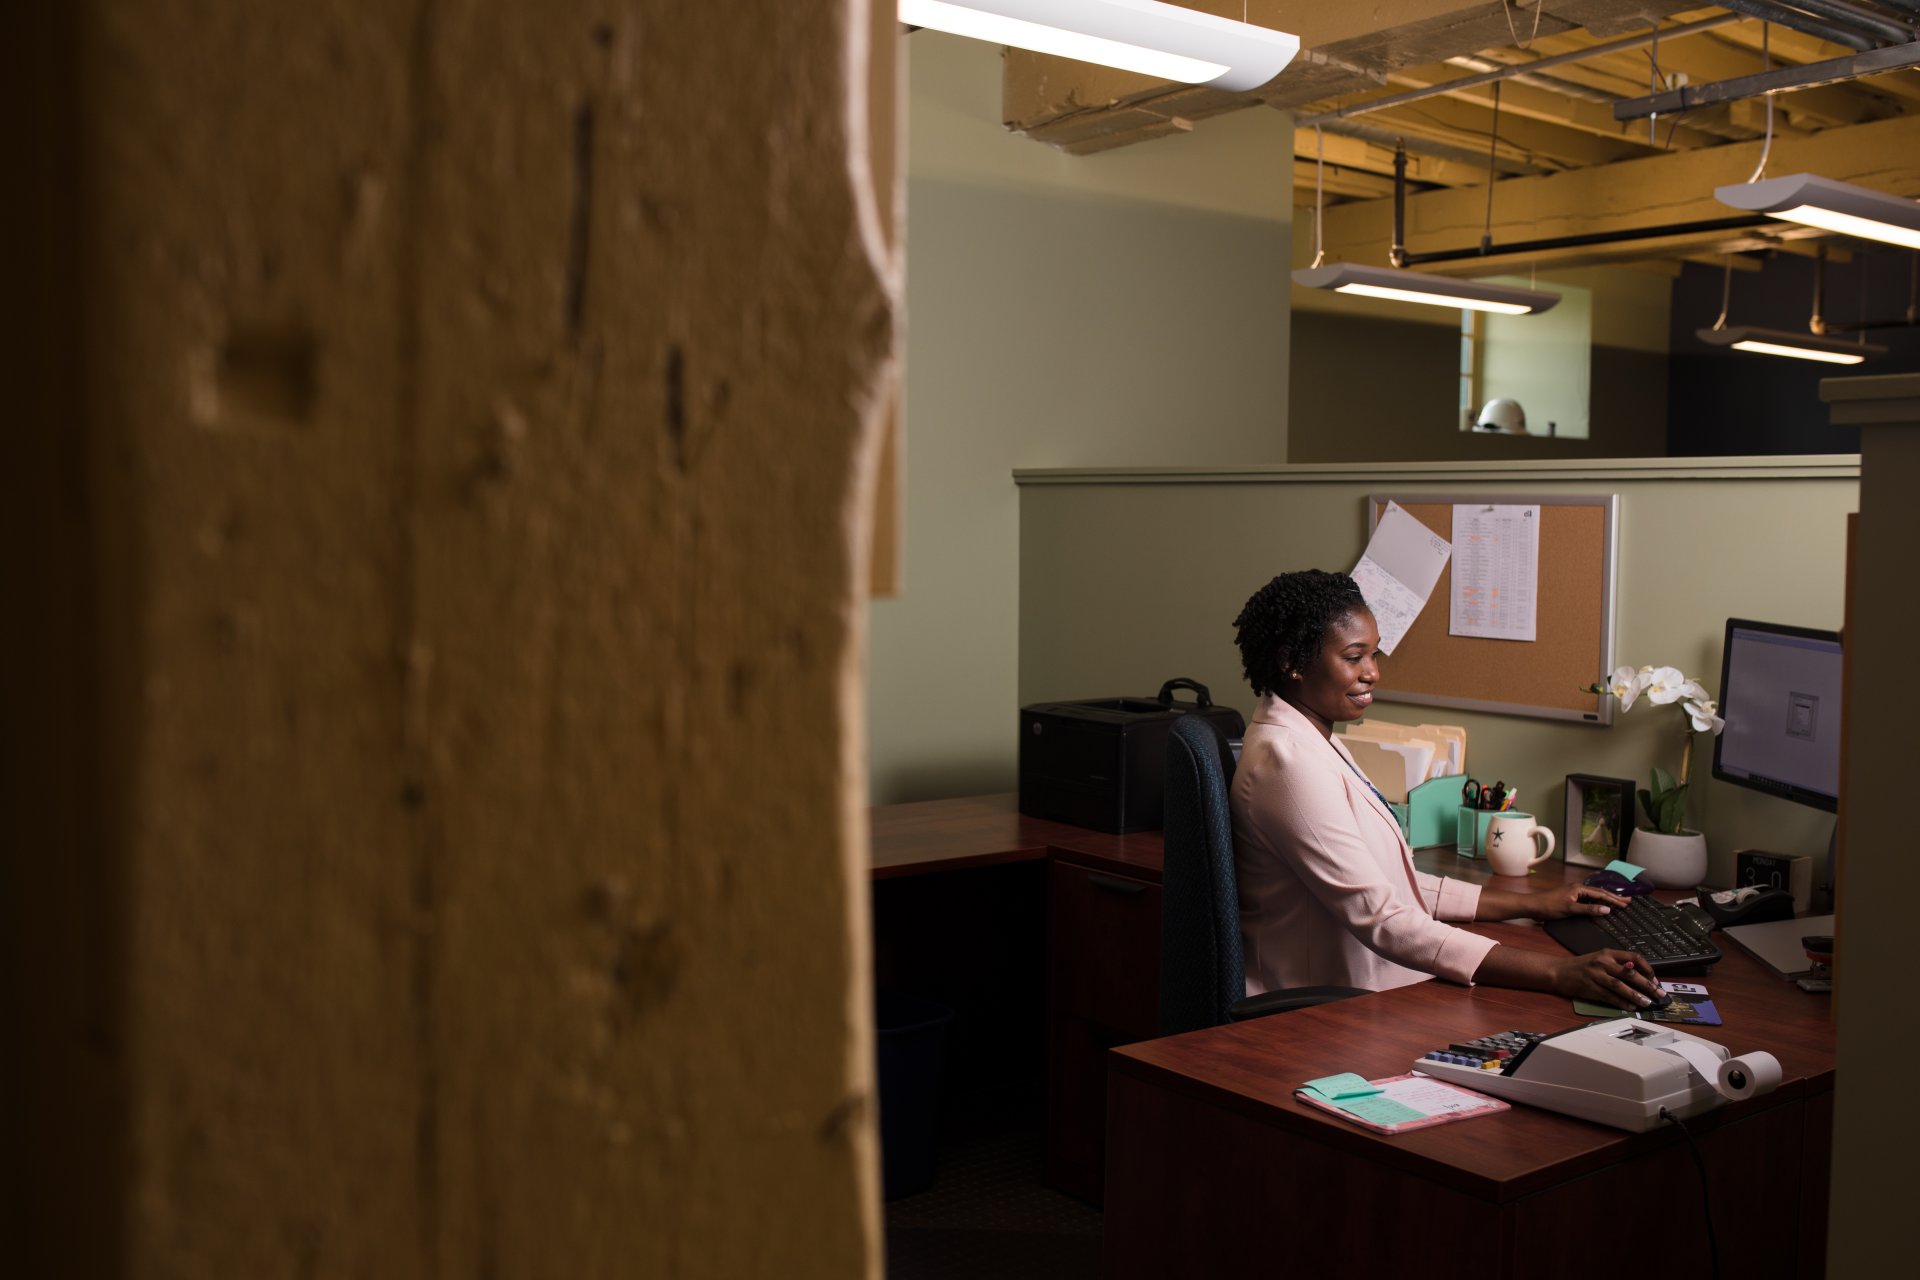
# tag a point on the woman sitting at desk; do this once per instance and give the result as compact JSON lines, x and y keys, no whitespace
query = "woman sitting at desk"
{"x":1328,"y":890}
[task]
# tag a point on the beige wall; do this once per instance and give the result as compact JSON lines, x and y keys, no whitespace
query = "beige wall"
{"x":1126,"y":581}
{"x":1122,"y":308}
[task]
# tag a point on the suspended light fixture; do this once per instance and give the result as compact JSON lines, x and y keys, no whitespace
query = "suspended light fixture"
{"x":1419,"y":286}
{"x":1162,"y":40}
{"x":1813,"y":345}
{"x":1401,"y":285}
{"x":1780,"y":342}
{"x":1831,"y":206}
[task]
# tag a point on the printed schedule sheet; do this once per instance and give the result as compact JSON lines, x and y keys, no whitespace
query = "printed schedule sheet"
{"x":1496,"y":571}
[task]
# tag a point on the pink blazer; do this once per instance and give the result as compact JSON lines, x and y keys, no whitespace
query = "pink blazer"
{"x":1328,"y":891}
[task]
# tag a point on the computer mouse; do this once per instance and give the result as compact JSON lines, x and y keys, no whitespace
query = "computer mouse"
{"x":1614,"y":882}
{"x":1660,"y":1000}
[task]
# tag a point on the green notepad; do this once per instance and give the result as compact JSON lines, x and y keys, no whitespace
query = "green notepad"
{"x":1397,"y":1103}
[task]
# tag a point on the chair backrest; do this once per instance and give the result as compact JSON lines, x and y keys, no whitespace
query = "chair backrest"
{"x":1201,"y":969}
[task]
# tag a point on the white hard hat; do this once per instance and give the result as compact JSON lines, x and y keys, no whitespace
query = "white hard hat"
{"x":1502,"y":415}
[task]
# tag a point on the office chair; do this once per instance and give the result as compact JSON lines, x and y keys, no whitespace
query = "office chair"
{"x":1202,"y":978}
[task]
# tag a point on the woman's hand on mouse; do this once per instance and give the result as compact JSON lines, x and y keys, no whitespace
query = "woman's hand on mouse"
{"x":1622,"y":979}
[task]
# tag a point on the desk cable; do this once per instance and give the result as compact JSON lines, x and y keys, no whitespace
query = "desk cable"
{"x":1706,"y":1198}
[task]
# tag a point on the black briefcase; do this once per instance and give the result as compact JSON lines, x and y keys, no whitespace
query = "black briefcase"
{"x":1102,"y":763}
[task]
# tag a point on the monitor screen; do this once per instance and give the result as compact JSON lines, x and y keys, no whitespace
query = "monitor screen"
{"x":1780,"y":697}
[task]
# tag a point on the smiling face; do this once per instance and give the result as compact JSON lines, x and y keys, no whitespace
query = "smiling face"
{"x":1338,"y":684}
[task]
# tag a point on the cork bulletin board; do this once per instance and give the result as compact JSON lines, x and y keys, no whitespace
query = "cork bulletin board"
{"x":1574,"y":630}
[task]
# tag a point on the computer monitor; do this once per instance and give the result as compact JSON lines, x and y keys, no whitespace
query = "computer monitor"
{"x":1780,"y":697}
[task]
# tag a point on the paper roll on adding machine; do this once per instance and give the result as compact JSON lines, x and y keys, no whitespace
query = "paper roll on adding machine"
{"x":1625,"y":1073}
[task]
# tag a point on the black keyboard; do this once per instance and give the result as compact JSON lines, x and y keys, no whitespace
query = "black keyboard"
{"x":1674,"y":942}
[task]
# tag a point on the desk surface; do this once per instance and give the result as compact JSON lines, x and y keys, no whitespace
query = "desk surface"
{"x":1253,"y":1067}
{"x":978,"y":831}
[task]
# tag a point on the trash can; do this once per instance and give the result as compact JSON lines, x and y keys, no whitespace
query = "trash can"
{"x":911,"y":1035}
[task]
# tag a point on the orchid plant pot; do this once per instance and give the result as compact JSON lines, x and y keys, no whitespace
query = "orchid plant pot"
{"x":1677,"y":861}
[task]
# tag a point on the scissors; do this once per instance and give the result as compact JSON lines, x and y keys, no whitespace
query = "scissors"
{"x":1477,"y":795}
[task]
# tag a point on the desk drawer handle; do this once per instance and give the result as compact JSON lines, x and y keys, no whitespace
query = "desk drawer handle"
{"x":1114,"y":884}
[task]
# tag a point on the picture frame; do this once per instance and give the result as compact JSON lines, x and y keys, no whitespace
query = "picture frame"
{"x":1598,"y":822}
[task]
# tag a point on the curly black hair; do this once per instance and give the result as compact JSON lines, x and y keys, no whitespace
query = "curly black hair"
{"x":1286,"y":621}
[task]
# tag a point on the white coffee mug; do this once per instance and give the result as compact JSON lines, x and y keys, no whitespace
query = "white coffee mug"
{"x":1511,"y":841}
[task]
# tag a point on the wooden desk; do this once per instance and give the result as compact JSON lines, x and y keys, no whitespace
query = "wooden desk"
{"x":1101,"y":950}
{"x":1213,"y":1167}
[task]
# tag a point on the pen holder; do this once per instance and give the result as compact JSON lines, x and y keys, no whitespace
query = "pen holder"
{"x":1471,"y":836}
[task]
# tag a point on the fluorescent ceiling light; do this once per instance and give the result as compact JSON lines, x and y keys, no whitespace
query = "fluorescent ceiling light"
{"x":1162,"y":40}
{"x":1831,"y":206}
{"x":1418,"y":286}
{"x":1780,"y":342}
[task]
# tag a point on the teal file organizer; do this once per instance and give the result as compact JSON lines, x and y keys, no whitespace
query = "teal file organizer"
{"x":1432,"y":814}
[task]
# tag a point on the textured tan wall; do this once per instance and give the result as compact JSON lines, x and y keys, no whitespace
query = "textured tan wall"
{"x":459,"y":867}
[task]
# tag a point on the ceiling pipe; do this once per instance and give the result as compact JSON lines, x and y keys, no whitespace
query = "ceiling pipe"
{"x":1806,"y":24}
{"x":1523,"y":248}
{"x":1849,"y":14}
{"x":1813,"y":75}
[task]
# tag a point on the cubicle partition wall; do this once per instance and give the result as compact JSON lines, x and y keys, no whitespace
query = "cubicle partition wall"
{"x":1128,"y":577}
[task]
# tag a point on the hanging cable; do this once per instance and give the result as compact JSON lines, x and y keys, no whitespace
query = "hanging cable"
{"x":1653,"y":54}
{"x":1506,"y":7}
{"x":1726,"y":295}
{"x":1319,"y":192}
{"x":1493,"y":141}
{"x":1766,"y":65}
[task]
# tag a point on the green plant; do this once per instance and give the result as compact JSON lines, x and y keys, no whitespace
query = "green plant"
{"x":1665,"y":803}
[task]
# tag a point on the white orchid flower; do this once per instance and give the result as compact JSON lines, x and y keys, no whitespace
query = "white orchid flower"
{"x":1697,"y":692}
{"x":1664,"y":685}
{"x":1701,"y":713}
{"x":1624,"y":684}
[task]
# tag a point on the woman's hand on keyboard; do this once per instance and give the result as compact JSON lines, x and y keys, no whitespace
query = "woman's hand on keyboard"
{"x":1549,"y":904}
{"x":1575,"y":900}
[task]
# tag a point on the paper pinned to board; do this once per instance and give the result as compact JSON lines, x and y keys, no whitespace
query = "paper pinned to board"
{"x":1496,"y":571}
{"x":1397,"y":573}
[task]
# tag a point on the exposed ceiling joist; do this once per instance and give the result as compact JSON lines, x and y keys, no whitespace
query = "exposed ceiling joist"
{"x":1567,"y":167}
{"x":1652,"y":191}
{"x":1344,"y":48}
{"x":1374,"y":154}
{"x":1526,"y":102}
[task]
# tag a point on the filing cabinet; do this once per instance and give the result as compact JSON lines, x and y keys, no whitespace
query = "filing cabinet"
{"x":1103,"y":990}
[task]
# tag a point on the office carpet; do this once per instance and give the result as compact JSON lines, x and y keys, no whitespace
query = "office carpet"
{"x":988,"y":1215}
